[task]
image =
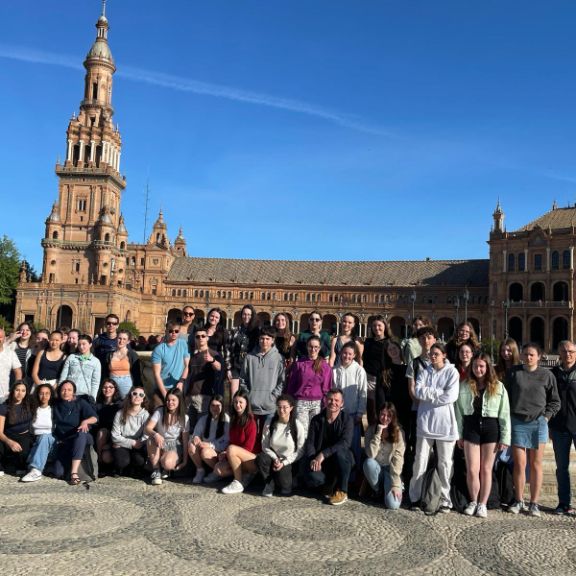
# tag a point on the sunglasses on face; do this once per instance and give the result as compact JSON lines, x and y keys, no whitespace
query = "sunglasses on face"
{"x":198,"y":336}
{"x":138,"y":394}
{"x":188,"y":313}
{"x":111,"y":323}
{"x":173,"y":331}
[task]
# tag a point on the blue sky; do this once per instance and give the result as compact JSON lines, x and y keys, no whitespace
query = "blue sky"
{"x":317,"y":129}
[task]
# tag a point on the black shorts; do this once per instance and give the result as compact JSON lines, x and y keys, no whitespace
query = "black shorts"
{"x":478,"y":430}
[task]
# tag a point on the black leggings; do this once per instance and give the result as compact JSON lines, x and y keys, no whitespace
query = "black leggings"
{"x":125,"y":457}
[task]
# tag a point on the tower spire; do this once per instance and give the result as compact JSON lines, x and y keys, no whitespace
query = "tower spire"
{"x":104,"y":8}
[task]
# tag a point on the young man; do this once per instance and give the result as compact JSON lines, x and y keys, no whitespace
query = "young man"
{"x":563,"y":425}
{"x":263,"y":377}
{"x":9,"y":363}
{"x":412,"y":348}
{"x":170,"y":363}
{"x":205,"y":377}
{"x":106,"y":342}
{"x":328,"y":459}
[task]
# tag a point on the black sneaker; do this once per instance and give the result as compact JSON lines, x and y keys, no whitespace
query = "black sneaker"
{"x":564,"y":509}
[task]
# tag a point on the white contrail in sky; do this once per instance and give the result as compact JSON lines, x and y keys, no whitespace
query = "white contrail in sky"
{"x":183,"y":84}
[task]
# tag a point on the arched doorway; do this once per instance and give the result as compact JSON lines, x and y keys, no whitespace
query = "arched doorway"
{"x":516,"y":292}
{"x":64,"y":317}
{"x":537,"y":292}
{"x":560,"y":292}
{"x":537,"y":331}
{"x":263,"y":319}
{"x":398,"y":326}
{"x":330,"y":323}
{"x":559,"y":331}
{"x":445,"y":328}
{"x":515,"y":329}
{"x":174,"y":314}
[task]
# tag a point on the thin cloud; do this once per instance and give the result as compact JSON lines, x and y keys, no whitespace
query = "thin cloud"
{"x":182,"y":84}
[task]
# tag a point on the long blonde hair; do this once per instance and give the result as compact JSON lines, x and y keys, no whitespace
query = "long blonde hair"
{"x":490,"y":377}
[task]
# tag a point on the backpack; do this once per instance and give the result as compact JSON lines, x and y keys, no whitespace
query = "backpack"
{"x":88,"y":470}
{"x":431,"y":488}
{"x":458,"y":485}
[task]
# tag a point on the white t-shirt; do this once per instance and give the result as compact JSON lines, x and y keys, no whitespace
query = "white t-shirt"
{"x":8,"y":362}
{"x":43,"y":422}
{"x":173,"y":432}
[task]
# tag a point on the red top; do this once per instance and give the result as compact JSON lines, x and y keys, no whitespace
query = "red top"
{"x":245,"y":437}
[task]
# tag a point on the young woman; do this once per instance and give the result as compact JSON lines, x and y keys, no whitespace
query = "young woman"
{"x":436,"y":390}
{"x":508,"y":356}
{"x":300,"y":349}
{"x":465,"y":334}
{"x":128,"y":437}
{"x":108,"y":402}
{"x":483,"y":416}
{"x":464,"y":362}
{"x":238,"y":458}
{"x":310,"y":379}
{"x":123,"y":364}
{"x":385,"y":450}
{"x":374,"y":360}
{"x":243,"y":340}
{"x":42,"y":432}
{"x":533,"y":401}
{"x":210,"y":438}
{"x":22,"y":342}
{"x":83,"y":368}
{"x":217,"y":335}
{"x":15,"y":423}
{"x":284,"y":340}
{"x":347,"y":334}
{"x":168,"y":431}
{"x":48,"y":363}
{"x":72,"y":419}
{"x":282,"y":445}
{"x":350,"y":377}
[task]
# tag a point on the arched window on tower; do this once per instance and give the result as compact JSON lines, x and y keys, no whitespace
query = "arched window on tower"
{"x":555,"y":260}
{"x":566,"y":259}
{"x":55,"y":235}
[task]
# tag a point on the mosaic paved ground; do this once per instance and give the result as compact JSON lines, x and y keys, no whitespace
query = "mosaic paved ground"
{"x":125,"y":527}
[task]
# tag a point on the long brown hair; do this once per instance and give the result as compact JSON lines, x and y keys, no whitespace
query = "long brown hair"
{"x":127,"y":403}
{"x":320,"y":360}
{"x":501,"y":367}
{"x":180,"y":411}
{"x":286,"y":333}
{"x":490,"y":377}
{"x":393,"y":428}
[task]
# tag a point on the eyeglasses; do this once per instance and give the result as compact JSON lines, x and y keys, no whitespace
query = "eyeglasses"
{"x":138,"y":394}
{"x":313,"y":347}
{"x":570,"y":351}
{"x":173,"y":331}
{"x":111,"y":323}
{"x":189,"y":314}
{"x":198,"y":336}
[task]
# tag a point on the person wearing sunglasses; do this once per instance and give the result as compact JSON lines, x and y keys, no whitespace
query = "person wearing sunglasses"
{"x":314,"y":329}
{"x":169,"y":363}
{"x":128,"y":437}
{"x":107,"y":341}
{"x":205,"y":377}
{"x":188,"y":329}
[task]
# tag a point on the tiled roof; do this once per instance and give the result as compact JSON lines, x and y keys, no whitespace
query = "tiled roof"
{"x":325,"y":273}
{"x":556,"y":219}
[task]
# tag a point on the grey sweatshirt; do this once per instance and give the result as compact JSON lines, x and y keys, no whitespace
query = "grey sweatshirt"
{"x":125,"y":435}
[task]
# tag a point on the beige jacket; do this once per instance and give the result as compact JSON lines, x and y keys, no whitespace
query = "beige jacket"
{"x":386,"y":453}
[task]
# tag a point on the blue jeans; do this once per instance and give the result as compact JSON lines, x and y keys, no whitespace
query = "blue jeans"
{"x":380,"y":480}
{"x":40,"y":451}
{"x":335,"y":471}
{"x":124,"y":383}
{"x":562,"y":442}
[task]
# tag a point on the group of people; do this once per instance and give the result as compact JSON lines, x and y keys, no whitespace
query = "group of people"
{"x":291,"y":409}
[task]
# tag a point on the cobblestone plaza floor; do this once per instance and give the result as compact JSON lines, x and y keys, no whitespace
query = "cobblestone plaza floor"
{"x":123,"y":527}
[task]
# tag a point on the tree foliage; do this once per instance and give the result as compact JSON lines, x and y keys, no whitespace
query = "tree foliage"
{"x":9,"y":269}
{"x":131,"y":327}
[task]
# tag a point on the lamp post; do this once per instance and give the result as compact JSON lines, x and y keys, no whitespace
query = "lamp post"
{"x":506,"y":305}
{"x":413,"y":300}
{"x":466,"y":297}
{"x":457,"y":304}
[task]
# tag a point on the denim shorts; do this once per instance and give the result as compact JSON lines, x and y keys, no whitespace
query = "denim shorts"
{"x":529,"y":434}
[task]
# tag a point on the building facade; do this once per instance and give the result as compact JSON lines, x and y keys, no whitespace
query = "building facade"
{"x":91,"y":269}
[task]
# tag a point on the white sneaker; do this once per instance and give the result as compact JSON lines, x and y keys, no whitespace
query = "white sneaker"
{"x":235,"y":487}
{"x":470,"y":509}
{"x":211,"y":478}
{"x":516,"y":507}
{"x":156,"y":478}
{"x":32,"y":476}
{"x":268,"y":491}
{"x":199,"y":476}
{"x":481,"y":511}
{"x":164,"y":474}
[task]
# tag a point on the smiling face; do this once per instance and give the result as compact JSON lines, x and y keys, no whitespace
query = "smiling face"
{"x":479,"y":368}
{"x":465,"y":354}
{"x":83,"y":346}
{"x":172,"y":403}
{"x":214,"y":318}
{"x":394,"y":352}
{"x":348,"y":324}
{"x":378,"y":329}
{"x":137,"y":396}
{"x":315,"y":323}
{"x":122,"y":340}
{"x":464,"y":332}
{"x":280,"y":322}
{"x":313,"y":347}
{"x":240,"y":404}
{"x":246,"y":316}
{"x":25,"y":332}
{"x":67,"y":392}
{"x":437,"y":357}
{"x":334,"y":404}
{"x":506,"y":353}
{"x":55,"y":341}
{"x":108,"y":390}
{"x":283,"y":408}
{"x":384,"y":417}
{"x":215,"y":409}
{"x":347,"y":356}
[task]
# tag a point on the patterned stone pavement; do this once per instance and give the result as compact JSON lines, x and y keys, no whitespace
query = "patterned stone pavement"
{"x":124,"y":527}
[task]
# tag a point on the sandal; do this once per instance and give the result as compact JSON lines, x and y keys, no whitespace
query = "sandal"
{"x":74,"y":479}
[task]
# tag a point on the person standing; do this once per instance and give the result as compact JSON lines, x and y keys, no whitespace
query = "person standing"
{"x":262,"y":377}
{"x":84,"y":369}
{"x":107,"y":341}
{"x":563,"y":425}
{"x":188,"y":329}
{"x":9,"y":364}
{"x":170,"y":363}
